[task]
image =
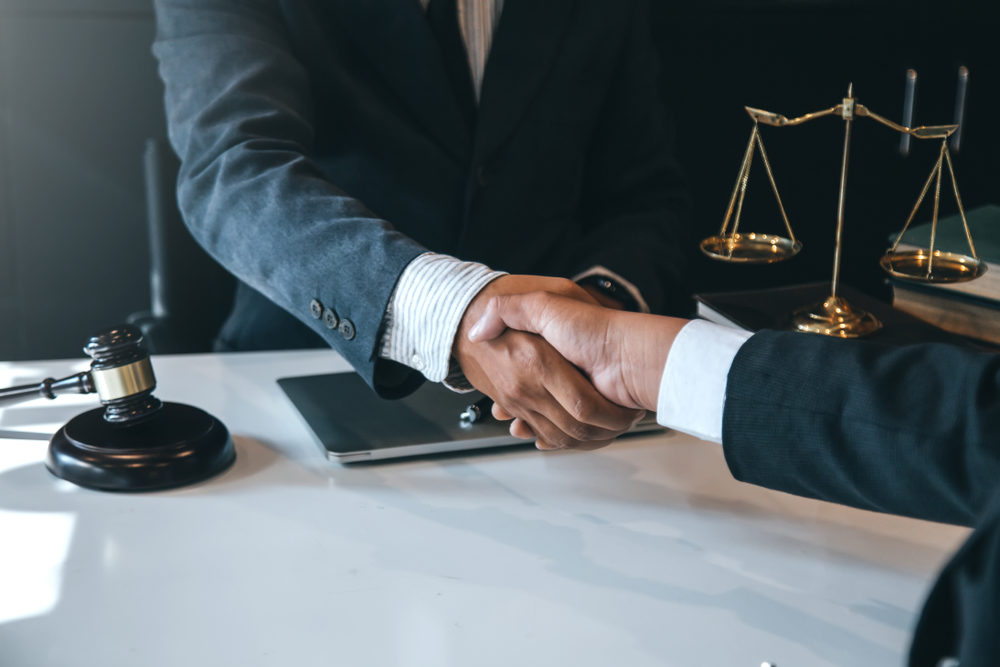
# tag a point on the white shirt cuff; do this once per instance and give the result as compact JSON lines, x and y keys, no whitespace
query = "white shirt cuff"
{"x":693,"y":386}
{"x":426,"y":308}
{"x":632,"y":290}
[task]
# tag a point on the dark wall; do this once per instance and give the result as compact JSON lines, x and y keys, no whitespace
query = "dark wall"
{"x":78,"y":95}
{"x":796,"y":57}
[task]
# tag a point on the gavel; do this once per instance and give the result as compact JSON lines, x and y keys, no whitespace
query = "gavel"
{"x":135,"y":442}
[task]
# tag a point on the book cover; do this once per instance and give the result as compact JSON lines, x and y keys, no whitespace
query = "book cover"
{"x":984,"y":226}
{"x":974,"y":318}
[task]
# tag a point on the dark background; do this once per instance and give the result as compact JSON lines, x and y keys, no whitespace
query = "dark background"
{"x":79,"y":95}
{"x":799,"y":56}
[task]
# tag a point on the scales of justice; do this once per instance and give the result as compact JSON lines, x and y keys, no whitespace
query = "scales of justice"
{"x":834,"y":316}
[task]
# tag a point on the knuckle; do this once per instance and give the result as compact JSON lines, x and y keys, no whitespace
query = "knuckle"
{"x":583,"y":409}
{"x":563,"y":441}
{"x":529,"y":362}
{"x":518,"y":394}
{"x":511,"y":389}
{"x":582,"y":432}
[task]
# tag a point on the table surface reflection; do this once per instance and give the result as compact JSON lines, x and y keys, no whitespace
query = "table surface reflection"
{"x":643,"y":553}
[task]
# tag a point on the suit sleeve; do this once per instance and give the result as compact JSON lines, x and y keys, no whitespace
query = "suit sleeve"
{"x":911,"y":430}
{"x":239,"y":116}
{"x":636,"y":203}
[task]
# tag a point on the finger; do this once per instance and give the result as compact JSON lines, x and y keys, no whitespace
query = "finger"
{"x":489,"y":326}
{"x":520,"y":429}
{"x":516,"y":311}
{"x":548,"y":385}
{"x":550,"y":436}
{"x":582,"y":404}
{"x":500,"y":414}
{"x":550,"y":422}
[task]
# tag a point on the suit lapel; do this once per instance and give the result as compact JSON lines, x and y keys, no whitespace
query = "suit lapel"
{"x":525,"y":45}
{"x":398,"y":41}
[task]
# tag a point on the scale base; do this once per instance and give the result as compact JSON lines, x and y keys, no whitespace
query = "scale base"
{"x":834,"y":316}
{"x":177,"y":445}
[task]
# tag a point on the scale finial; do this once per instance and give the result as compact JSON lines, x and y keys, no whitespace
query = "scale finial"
{"x":850,"y":89}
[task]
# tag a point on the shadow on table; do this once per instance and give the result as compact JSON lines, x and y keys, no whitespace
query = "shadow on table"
{"x":519,"y":512}
{"x":566,"y":548}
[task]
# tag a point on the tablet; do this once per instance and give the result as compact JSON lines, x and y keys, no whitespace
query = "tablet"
{"x":351,"y":423}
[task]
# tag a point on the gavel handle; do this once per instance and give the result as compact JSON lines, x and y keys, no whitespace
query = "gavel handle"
{"x":81,"y":383}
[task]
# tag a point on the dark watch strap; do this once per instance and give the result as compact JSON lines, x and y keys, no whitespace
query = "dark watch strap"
{"x":611,"y":288}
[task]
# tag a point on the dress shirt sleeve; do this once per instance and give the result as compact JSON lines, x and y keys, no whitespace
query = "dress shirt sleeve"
{"x":425,"y":310}
{"x":693,"y":386}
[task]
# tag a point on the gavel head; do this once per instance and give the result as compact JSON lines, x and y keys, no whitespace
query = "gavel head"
{"x":122,"y":375}
{"x":135,"y":442}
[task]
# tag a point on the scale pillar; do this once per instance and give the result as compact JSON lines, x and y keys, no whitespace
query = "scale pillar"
{"x":834,"y":316}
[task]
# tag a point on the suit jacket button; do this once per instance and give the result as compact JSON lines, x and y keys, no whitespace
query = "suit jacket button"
{"x":316,"y":309}
{"x":330,"y":318}
{"x":347,"y":329}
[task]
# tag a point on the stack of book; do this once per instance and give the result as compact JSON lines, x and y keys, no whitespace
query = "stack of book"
{"x":971,"y":308}
{"x":754,"y":310}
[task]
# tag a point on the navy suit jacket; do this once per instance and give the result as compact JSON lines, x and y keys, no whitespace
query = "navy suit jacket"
{"x":323,"y":148}
{"x":912,"y":430}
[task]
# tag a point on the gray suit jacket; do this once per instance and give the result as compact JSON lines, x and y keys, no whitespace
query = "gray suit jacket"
{"x":306,"y":127}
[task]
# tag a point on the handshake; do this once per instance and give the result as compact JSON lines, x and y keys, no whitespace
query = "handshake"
{"x":569,"y":372}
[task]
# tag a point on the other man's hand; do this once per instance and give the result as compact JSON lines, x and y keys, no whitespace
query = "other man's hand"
{"x":622,"y":353}
{"x":528,"y":380}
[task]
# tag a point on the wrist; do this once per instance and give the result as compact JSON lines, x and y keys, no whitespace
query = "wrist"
{"x":646,"y":343}
{"x":425,"y":310}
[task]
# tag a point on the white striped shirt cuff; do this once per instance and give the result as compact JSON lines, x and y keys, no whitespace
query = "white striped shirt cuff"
{"x":425,"y":310}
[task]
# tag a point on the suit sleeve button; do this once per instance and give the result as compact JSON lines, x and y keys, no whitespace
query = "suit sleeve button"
{"x":330,"y":318}
{"x":347,"y":329}
{"x":316,"y":309}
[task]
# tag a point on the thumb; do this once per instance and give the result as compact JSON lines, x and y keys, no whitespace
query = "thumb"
{"x":516,"y":311}
{"x":489,"y":326}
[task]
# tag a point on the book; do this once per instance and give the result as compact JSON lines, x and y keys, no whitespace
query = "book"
{"x":753,"y":310}
{"x":970,"y":308}
{"x":954,"y":311}
{"x":984,"y":226}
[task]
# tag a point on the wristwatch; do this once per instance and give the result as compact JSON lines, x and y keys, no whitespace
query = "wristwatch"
{"x":612,"y":289}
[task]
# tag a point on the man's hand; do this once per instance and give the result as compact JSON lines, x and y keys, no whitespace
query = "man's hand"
{"x":528,"y":380}
{"x":623,"y":354}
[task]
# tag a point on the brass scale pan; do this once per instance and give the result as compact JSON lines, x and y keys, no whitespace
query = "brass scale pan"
{"x":920,"y":265}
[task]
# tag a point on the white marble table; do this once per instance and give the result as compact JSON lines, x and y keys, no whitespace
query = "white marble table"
{"x":644,"y":553}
